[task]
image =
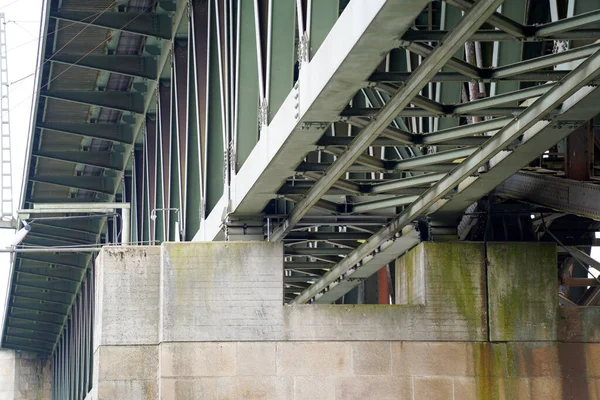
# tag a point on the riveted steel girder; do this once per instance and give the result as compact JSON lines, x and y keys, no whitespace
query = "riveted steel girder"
{"x":100,"y":184}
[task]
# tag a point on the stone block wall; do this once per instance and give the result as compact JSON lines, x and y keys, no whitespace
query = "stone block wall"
{"x":214,"y":327}
{"x":24,"y":376}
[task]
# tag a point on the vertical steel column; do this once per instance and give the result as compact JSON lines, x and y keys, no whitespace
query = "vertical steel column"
{"x":138,"y":172}
{"x":246,"y":126}
{"x":164,"y":115}
{"x":181,"y":105}
{"x":151,"y":167}
{"x":215,"y":170}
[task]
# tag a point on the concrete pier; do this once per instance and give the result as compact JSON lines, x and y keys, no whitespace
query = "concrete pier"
{"x":207,"y":321}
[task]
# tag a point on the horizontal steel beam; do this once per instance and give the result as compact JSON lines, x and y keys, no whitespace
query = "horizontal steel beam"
{"x":322,"y":167}
{"x":432,"y":158}
{"x":306,"y":265}
{"x":66,"y":260}
{"x":486,"y":76}
{"x":448,"y":111}
{"x":118,"y":133}
{"x":144,"y":67}
{"x":101,"y":159}
{"x":455,"y":64}
{"x":568,"y":24}
{"x":559,"y":194}
{"x":488,"y":35}
{"x":317,"y":251}
{"x":450,"y":134}
{"x":405,"y":183}
{"x":147,"y":24}
{"x":100,"y":184}
{"x":121,"y":101}
{"x":550,"y":60}
{"x":396,"y":201}
{"x":317,"y":236}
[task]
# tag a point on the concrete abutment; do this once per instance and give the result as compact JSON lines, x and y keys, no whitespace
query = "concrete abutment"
{"x":207,"y":321}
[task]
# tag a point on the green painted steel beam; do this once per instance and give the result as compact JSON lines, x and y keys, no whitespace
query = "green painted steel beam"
{"x":550,"y":60}
{"x":56,"y":239}
{"x":121,"y":101}
{"x":101,"y":159}
{"x":489,"y":35}
{"x":30,"y":322}
{"x":100,"y":184}
{"x":432,"y":158}
{"x":568,"y":24}
{"x":30,"y":339}
{"x":320,"y":251}
{"x":31,"y":348}
{"x":486,"y":76}
{"x":70,"y":280}
{"x":282,"y":57}
{"x":144,"y":67}
{"x":447,"y":135}
{"x":42,"y":298}
{"x":147,"y":24}
{"x":26,"y":333}
{"x":69,"y":260}
{"x":65,"y":273}
{"x":118,"y":133}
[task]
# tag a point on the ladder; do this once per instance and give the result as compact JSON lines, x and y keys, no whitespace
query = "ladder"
{"x":6,"y":203}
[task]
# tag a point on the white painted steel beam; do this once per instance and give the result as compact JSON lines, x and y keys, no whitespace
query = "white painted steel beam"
{"x":570,"y":92}
{"x":364,"y":33}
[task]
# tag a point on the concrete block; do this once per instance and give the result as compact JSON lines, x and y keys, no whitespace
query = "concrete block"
{"x":546,"y":389}
{"x":373,"y":387}
{"x":465,"y":388}
{"x":314,"y":388}
{"x":448,"y":279}
{"x":593,"y":359}
{"x":222,"y":291}
{"x":313,"y":359}
{"x":513,"y":359}
{"x":433,"y":388}
{"x":128,"y":296}
{"x":522,"y":291}
{"x":263,"y":388}
{"x":423,"y":358}
{"x":188,"y":389}
{"x":128,"y":363}
{"x":255,"y":359}
{"x":578,"y":324}
{"x":128,"y":389}
{"x":371,"y":358}
{"x":197,"y":359}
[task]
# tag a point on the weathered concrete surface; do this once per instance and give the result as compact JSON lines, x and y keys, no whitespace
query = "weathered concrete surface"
{"x":224,"y":333}
{"x":523,"y":287}
{"x":24,"y":376}
{"x":229,"y":291}
{"x":449,"y":281}
{"x":127,"y":296}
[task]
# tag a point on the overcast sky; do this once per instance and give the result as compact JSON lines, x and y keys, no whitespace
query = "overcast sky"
{"x":22,"y":19}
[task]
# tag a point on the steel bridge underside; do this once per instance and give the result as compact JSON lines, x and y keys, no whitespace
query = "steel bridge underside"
{"x":350,"y":130}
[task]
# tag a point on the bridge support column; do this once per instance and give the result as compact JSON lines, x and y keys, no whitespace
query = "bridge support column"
{"x":207,"y":320}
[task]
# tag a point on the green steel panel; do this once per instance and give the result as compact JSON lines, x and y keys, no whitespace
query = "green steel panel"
{"x":136,"y":66}
{"x":121,"y":101}
{"x":148,"y":24}
{"x":215,"y":148}
{"x":323,"y":14}
{"x":282,"y":53}
{"x":101,"y":159}
{"x":119,"y":133}
{"x":100,"y":184}
{"x":194,"y":178}
{"x":248,"y":95}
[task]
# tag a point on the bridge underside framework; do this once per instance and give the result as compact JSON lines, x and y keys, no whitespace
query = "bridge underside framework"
{"x":349,"y":130}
